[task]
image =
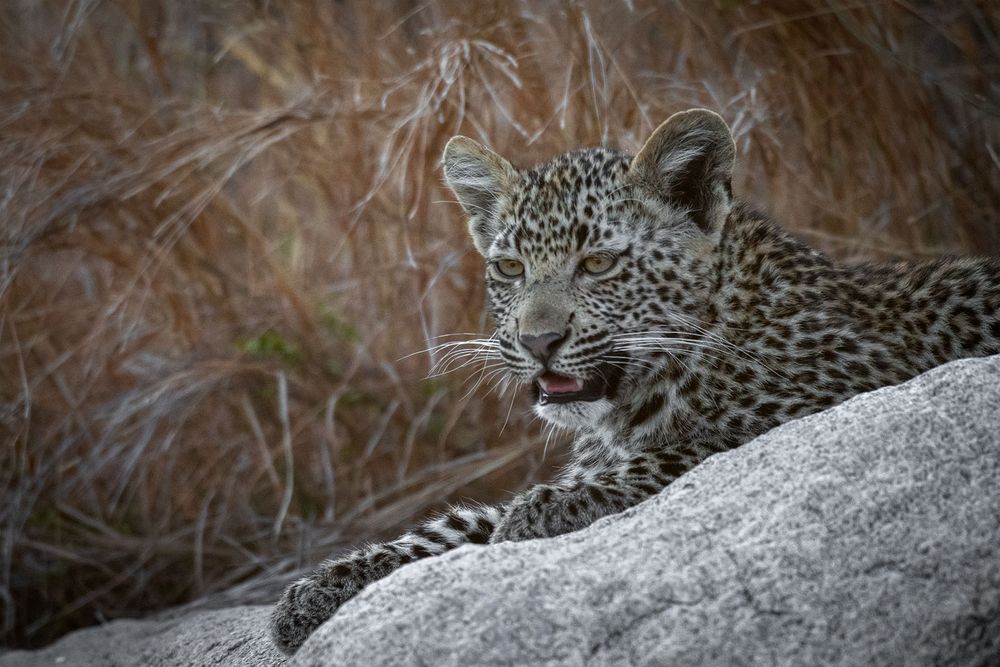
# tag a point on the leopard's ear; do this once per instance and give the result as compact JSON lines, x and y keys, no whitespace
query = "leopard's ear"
{"x":689,"y":160}
{"x":480,"y":179}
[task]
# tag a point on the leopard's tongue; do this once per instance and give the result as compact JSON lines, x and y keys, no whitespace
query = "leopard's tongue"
{"x":559,"y":384}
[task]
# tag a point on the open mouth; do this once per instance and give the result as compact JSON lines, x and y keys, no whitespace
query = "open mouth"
{"x":554,"y":388}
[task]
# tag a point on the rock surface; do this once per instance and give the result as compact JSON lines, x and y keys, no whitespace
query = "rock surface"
{"x":868,"y":534}
{"x":235,"y":636}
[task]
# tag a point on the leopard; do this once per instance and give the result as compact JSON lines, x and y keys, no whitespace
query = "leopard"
{"x":660,"y":320}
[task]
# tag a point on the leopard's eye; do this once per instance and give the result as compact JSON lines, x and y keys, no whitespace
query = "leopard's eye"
{"x":511,"y":268}
{"x":595,"y":265}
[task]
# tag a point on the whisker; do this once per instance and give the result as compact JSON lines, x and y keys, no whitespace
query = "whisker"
{"x":509,"y":408}
{"x":705,"y":339}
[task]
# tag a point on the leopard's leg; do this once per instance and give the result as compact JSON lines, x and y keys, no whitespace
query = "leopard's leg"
{"x":308,"y":602}
{"x":585,"y":494}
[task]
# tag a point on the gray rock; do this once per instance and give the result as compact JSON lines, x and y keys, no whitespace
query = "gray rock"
{"x":234,"y":636}
{"x":868,"y":534}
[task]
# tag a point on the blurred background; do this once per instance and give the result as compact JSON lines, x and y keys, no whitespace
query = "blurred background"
{"x":225,"y":243}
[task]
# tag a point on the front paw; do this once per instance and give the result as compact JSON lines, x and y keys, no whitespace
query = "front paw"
{"x":308,"y":602}
{"x":532,"y":514}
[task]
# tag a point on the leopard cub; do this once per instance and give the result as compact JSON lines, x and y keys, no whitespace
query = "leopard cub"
{"x":662,"y":321}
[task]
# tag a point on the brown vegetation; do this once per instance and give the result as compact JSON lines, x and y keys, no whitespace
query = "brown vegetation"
{"x":224,"y":230}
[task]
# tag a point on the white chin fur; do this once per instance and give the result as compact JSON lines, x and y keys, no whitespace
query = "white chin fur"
{"x":574,"y":415}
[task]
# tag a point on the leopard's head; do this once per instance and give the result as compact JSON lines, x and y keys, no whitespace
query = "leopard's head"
{"x":594,"y":256}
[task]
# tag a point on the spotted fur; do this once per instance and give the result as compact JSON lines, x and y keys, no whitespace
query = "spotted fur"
{"x":711,"y":326}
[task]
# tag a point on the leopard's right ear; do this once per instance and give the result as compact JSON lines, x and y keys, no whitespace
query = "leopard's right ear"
{"x":688,"y":160}
{"x":481,"y":180}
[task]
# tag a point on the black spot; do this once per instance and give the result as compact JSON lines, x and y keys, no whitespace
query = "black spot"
{"x":479,"y":537}
{"x":428,"y":534}
{"x":647,"y":489}
{"x":647,"y":410}
{"x":971,"y":340}
{"x":456,"y":522}
{"x":691,"y":386}
{"x":847,"y":346}
{"x":596,"y":494}
{"x":671,"y":468}
{"x":857,"y":369}
{"x":806,"y":344}
{"x":767,"y":410}
{"x":837,"y":374}
{"x":836,"y":388}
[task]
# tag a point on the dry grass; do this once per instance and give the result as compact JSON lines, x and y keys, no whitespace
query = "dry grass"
{"x":224,"y":227}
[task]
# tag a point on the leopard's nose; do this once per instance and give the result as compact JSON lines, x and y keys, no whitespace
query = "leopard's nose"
{"x":543,"y":346}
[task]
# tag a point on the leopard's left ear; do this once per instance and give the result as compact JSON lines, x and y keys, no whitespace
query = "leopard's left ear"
{"x":689,"y":161}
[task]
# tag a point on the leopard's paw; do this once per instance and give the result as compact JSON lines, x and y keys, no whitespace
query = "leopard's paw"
{"x":532,"y":514}
{"x":310,"y":601}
